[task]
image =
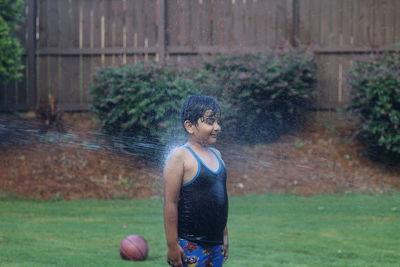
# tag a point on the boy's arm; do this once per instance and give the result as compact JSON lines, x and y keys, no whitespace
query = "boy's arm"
{"x":173,"y":173}
{"x":226,"y":244}
{"x":226,"y":239}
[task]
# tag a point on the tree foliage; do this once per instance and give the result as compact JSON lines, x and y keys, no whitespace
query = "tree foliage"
{"x":10,"y":47}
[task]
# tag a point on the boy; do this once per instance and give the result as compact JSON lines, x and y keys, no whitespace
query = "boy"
{"x":195,"y":195}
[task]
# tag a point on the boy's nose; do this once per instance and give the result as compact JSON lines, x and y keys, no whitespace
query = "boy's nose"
{"x":217,"y":127}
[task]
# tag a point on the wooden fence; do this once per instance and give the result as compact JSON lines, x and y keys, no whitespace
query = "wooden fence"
{"x":67,"y":40}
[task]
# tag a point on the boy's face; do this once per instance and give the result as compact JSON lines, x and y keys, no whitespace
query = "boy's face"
{"x":207,"y":128}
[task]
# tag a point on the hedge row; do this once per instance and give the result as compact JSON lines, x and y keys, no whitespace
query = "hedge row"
{"x":260,"y":89}
{"x":263,"y":95}
{"x":375,"y":100}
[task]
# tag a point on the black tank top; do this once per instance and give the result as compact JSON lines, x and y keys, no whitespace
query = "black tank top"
{"x":203,"y":205}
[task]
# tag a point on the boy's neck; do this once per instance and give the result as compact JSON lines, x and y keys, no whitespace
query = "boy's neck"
{"x":197,"y":145}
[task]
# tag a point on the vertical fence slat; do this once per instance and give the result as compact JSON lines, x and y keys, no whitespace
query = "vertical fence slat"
{"x":53,"y":76}
{"x":47,"y":34}
{"x":108,"y":23}
{"x":64,"y":40}
{"x":291,"y":23}
{"x":194,"y":22}
{"x":86,"y":23}
{"x":62,"y":33}
{"x":201,"y":23}
{"x":141,"y":16}
{"x":75,"y":88}
{"x":359,"y":23}
{"x":281,"y":31}
{"x":118,"y":34}
{"x":9,"y":99}
{"x":161,"y":30}
{"x":130,"y":22}
{"x":248,"y":11}
{"x":42,"y":79}
{"x":68,"y":88}
{"x":107,"y":29}
{"x":396,"y":23}
{"x":31,"y":51}
{"x":87,"y":17}
{"x":254,"y":28}
{"x":304,"y":23}
{"x":171,"y":23}
{"x":314,"y":22}
{"x":335,"y":37}
{"x":345,"y":84}
{"x":378,"y":24}
{"x":3,"y":97}
{"x":347,"y":22}
{"x":218,"y":39}
{"x":97,"y":34}
{"x":217,"y":24}
{"x":227,"y":22}
{"x":151,"y":10}
{"x":183,"y":23}
{"x":95,"y":18}
{"x":364,"y":23}
{"x":326,"y":20}
{"x":387,"y":20}
{"x":52,"y":25}
{"x":44,"y":29}
{"x":73,"y":18}
{"x":213,"y":23}
{"x":277,"y":15}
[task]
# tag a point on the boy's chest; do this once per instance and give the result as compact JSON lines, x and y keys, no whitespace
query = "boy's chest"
{"x":192,"y":165}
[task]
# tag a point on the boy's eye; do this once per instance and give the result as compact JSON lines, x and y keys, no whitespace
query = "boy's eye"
{"x":210,"y":120}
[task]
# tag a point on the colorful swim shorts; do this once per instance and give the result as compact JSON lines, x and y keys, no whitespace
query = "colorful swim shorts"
{"x":198,"y":256}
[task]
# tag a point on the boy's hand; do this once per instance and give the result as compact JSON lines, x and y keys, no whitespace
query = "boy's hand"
{"x":175,"y":256}
{"x":226,"y":251}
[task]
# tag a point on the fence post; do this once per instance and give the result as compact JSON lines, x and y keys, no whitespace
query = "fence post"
{"x":161,"y":31}
{"x":296,"y":23}
{"x":31,"y":54}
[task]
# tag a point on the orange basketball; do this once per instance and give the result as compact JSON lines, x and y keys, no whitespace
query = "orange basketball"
{"x":134,"y":248}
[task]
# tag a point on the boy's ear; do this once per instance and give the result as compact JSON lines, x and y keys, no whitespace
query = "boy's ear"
{"x":188,"y":126}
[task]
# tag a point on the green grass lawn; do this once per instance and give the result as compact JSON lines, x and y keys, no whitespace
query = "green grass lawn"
{"x":265,"y":230}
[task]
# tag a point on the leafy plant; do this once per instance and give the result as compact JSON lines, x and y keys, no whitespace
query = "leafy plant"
{"x":375,"y":100}
{"x":10,"y":47}
{"x":266,"y":93}
{"x":141,"y":100}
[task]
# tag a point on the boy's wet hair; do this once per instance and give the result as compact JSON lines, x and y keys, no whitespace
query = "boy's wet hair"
{"x":195,"y":106}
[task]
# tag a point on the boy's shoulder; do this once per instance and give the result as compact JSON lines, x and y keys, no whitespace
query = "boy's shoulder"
{"x":178,"y":154}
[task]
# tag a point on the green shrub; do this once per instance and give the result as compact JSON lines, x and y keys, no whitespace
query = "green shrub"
{"x":266,"y":94}
{"x":205,"y":80}
{"x":10,"y":48}
{"x":375,"y":100}
{"x":141,"y":101}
